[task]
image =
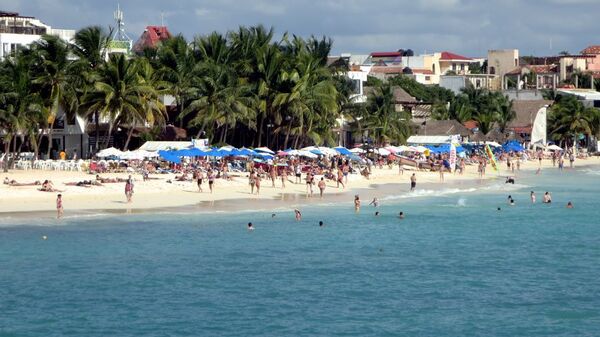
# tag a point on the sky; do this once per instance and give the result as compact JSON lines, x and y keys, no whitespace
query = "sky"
{"x":466,"y":27}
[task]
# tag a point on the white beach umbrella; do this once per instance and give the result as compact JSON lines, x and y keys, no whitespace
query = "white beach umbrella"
{"x":553,"y":148}
{"x":328,"y":151}
{"x":357,"y":150}
{"x":383,"y":152}
{"x":264,"y":150}
{"x":307,"y":154}
{"x":110,"y":152}
{"x":421,"y":149}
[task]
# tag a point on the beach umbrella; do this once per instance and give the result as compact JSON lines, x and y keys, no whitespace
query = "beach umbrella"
{"x":383,"y":152}
{"x":169,"y":156}
{"x":327,"y":151}
{"x":131,"y":155}
{"x":357,"y":150}
{"x":343,"y":151}
{"x":110,"y":152}
{"x":264,"y":150}
{"x":553,"y":148}
{"x":282,"y":153}
{"x":307,"y":154}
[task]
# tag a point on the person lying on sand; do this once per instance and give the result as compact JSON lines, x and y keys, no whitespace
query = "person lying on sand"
{"x":12,"y":182}
{"x":85,"y":183}
{"x":109,"y":180}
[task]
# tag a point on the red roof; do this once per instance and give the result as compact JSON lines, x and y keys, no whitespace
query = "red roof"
{"x":593,"y":50}
{"x":471,"y":124}
{"x":451,"y":56}
{"x":422,"y":71}
{"x":151,"y":37}
{"x":386,"y":54}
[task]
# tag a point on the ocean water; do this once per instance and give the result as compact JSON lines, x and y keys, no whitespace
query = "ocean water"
{"x":455,"y":266}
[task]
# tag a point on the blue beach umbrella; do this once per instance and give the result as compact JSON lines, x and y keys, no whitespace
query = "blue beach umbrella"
{"x":343,"y":151}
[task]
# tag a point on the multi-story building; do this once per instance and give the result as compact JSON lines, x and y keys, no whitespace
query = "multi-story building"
{"x":17,"y":31}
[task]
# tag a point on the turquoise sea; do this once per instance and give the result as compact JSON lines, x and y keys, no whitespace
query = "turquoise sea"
{"x":455,"y":266}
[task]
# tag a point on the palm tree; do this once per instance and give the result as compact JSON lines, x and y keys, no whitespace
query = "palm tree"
{"x":177,"y":63}
{"x":51,"y":76}
{"x":20,"y":106}
{"x":153,"y":112}
{"x":89,"y":47}
{"x":118,"y":92}
{"x":568,"y":119}
{"x":382,"y":118}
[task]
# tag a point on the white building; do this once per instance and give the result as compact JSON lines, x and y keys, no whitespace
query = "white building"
{"x":18,"y":31}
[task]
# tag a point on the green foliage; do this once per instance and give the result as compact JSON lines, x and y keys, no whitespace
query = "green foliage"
{"x":568,"y":118}
{"x":422,"y":92}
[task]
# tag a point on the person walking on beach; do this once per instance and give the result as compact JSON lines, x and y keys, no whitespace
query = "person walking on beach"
{"x":59,"y":206}
{"x":273,"y":175}
{"x":340,"y":178}
{"x":356,"y":203}
{"x":199,"y":178}
{"x":283,"y":177}
{"x":413,"y":182}
{"x":571,"y":159}
{"x":211,"y":180}
{"x":252,"y":181}
{"x":129,"y":189}
{"x":309,"y":184}
{"x":298,"y":171}
{"x":257,"y":183}
{"x":322,"y":186}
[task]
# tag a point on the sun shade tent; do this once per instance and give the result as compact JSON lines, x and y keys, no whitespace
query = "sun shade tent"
{"x":264,"y":150}
{"x":110,"y":152}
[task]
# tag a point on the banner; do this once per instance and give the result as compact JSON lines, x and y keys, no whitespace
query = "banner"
{"x":452,"y":158}
{"x":490,"y":155}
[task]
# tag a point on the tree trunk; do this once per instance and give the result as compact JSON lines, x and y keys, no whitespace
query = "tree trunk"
{"x":287,"y":135}
{"x":97,"y":121}
{"x":260,"y":131}
{"x":6,"y":153}
{"x":129,"y":134}
{"x":296,"y":141}
{"x":110,"y":128}
{"x":36,"y":147}
{"x":50,"y":132}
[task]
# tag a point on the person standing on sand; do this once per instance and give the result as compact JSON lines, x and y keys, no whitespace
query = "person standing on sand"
{"x":59,"y":206}
{"x":211,"y":180}
{"x":298,"y":171}
{"x":283,"y":177}
{"x":252,"y":181}
{"x":273,"y":174}
{"x":340,"y":178}
{"x":571,"y":159}
{"x":413,"y":182}
{"x":441,"y":172}
{"x":309,"y":184}
{"x":257,"y":182}
{"x":199,"y":178}
{"x":322,"y":186}
{"x":129,"y":189}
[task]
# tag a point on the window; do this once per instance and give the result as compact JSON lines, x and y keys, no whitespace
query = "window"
{"x":492,"y":70}
{"x":462,"y":67}
{"x":433,"y":68}
{"x":427,"y":78}
{"x":516,"y":62}
{"x":453,"y":66}
{"x":478,"y":84}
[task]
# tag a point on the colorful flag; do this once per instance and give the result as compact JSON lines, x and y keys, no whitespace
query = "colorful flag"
{"x":452,"y":158}
{"x":490,"y":155}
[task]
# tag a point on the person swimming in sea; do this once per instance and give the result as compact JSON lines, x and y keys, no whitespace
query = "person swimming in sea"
{"x":357,"y":203}
{"x":569,"y":204}
{"x":510,"y":180}
{"x":532,"y":196}
{"x":401,"y":215}
{"x":547,"y":198}
{"x":375,"y":202}
{"x":511,"y":202}
{"x":297,"y":214}
{"x":250,"y":226}
{"x":321,"y":224}
{"x":376,"y":213}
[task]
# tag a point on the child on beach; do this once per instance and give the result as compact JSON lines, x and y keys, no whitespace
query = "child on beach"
{"x":59,"y":206}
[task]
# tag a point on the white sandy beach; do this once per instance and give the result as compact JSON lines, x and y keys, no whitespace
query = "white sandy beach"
{"x":158,"y":193}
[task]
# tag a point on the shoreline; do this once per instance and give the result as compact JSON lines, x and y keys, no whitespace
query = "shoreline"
{"x":233,"y":196}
